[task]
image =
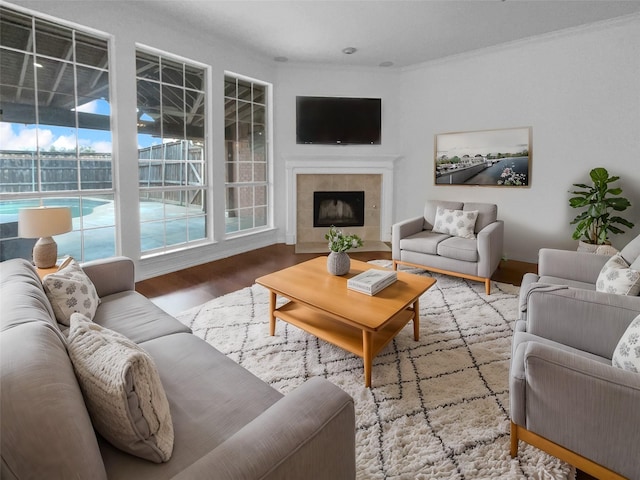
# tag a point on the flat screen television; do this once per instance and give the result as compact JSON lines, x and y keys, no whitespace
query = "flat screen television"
{"x":338,"y":120}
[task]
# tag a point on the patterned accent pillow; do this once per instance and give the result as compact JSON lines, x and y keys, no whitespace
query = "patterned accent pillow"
{"x":70,"y":290}
{"x":122,"y":390}
{"x":459,"y":223}
{"x":627,"y":352}
{"x":617,"y":277}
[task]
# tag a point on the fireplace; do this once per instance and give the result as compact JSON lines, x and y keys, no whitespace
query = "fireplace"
{"x":342,"y":209}
{"x":306,"y":174}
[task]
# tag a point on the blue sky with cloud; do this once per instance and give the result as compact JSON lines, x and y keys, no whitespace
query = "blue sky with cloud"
{"x":25,"y":137}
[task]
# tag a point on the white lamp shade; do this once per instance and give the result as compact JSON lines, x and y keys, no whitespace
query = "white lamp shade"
{"x":44,"y":221}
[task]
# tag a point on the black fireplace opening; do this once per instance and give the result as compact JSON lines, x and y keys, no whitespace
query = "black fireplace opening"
{"x":342,"y":209}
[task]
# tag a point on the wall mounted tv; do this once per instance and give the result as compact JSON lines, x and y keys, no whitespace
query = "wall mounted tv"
{"x":338,"y":120}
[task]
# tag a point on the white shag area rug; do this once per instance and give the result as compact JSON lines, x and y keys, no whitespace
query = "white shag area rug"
{"x":438,"y":408}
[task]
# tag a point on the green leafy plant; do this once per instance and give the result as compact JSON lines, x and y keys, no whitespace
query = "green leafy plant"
{"x":340,"y":242}
{"x":596,"y":223}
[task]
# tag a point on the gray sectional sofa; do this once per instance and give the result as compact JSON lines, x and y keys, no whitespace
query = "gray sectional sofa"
{"x":228,"y":424}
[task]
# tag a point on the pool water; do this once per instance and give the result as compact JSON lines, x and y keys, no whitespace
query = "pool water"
{"x":9,"y":210}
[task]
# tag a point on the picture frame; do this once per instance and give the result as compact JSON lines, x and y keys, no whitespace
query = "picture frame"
{"x":490,"y":158}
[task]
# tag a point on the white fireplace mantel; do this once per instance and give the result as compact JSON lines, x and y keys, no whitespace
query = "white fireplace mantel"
{"x":340,"y":164}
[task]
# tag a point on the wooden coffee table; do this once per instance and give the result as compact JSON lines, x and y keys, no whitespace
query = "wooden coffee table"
{"x":321,"y":304}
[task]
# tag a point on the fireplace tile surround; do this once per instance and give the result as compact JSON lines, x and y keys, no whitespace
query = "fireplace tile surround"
{"x":307,"y":184}
{"x":371,"y":173}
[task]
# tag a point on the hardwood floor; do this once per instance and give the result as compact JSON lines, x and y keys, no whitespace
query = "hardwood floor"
{"x":178,"y":291}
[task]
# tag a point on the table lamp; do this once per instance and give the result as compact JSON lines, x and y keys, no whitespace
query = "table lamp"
{"x":42,"y":223}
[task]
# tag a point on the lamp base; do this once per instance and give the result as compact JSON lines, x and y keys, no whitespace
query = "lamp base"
{"x":45,"y":253}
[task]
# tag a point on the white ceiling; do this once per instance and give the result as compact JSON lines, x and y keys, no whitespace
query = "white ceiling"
{"x":405,"y":32}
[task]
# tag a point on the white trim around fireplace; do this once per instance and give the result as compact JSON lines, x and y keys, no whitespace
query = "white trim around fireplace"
{"x":340,"y":164}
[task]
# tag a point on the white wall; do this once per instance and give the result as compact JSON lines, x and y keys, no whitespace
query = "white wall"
{"x":579,"y":90}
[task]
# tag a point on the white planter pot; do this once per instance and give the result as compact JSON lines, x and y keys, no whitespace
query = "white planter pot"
{"x":597,"y":249}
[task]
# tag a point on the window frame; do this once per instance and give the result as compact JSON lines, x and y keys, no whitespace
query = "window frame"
{"x":206,"y":177}
{"x":80,"y":34}
{"x":267,"y":183}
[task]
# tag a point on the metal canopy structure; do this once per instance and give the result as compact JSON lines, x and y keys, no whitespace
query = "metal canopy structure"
{"x":170,"y":97}
{"x":49,"y":72}
{"x":38,"y":72}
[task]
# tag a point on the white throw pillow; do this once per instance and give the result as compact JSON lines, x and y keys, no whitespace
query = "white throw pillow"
{"x":122,"y":390}
{"x":70,"y":290}
{"x":459,"y":223}
{"x":617,"y":277}
{"x":627,"y":352}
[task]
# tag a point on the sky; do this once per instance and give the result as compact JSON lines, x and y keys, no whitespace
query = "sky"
{"x":510,"y":140}
{"x":25,"y":137}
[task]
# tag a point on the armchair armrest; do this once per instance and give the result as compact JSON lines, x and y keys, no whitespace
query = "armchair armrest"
{"x":309,"y":433}
{"x":578,"y":266}
{"x":111,"y":275}
{"x":587,"y":406}
{"x":402,"y":230}
{"x":490,"y":241}
{"x":584,"y":319}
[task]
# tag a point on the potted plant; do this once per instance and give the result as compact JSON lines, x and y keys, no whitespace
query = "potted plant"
{"x":599,"y":200}
{"x":338,"y":262}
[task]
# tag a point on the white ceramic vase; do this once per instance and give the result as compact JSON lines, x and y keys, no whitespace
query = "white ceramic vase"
{"x":338,"y":263}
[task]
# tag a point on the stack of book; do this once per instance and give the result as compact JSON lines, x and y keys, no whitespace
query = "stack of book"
{"x":372,"y":281}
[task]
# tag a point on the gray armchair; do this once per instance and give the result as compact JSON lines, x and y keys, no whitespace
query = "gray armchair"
{"x":566,"y":397}
{"x":415,"y":244}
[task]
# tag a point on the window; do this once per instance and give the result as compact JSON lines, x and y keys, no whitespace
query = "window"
{"x":171,"y":152}
{"x":246,"y":150}
{"x":55,"y":132}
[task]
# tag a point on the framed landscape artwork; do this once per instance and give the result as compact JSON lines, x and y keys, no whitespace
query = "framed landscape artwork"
{"x":496,"y":158}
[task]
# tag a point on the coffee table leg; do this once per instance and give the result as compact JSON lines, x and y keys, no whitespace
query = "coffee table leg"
{"x":367,"y":357}
{"x":416,"y":320}
{"x":272,"y":317}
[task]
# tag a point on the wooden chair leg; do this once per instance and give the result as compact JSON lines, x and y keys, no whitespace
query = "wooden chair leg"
{"x":487,"y":286}
{"x":514,"y":440}
{"x":395,"y":265}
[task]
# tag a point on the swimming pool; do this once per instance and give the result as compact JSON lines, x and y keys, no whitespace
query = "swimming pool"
{"x":9,"y":209}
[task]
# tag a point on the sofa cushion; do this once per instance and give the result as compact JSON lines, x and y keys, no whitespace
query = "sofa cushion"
{"x":487,"y":213}
{"x":425,"y":241}
{"x":631,"y":253}
{"x":431,"y":208}
{"x":627,"y":352}
{"x":135,"y":317}
{"x":457,"y":223}
{"x":459,"y":249}
{"x":122,"y":390}
{"x":548,"y":279}
{"x":45,"y":425}
{"x":211,"y":398}
{"x":70,"y":290}
{"x":20,"y":283}
{"x":616,"y":277}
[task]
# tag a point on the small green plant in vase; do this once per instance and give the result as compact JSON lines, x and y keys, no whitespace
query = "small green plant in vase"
{"x":338,"y":262}
{"x":600,"y":200}
{"x":340,"y":242}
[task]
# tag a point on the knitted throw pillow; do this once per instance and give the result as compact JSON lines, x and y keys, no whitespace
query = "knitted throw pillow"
{"x":617,"y":277}
{"x":459,"y":223}
{"x":627,"y":352}
{"x":70,"y":290}
{"x":122,"y":390}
